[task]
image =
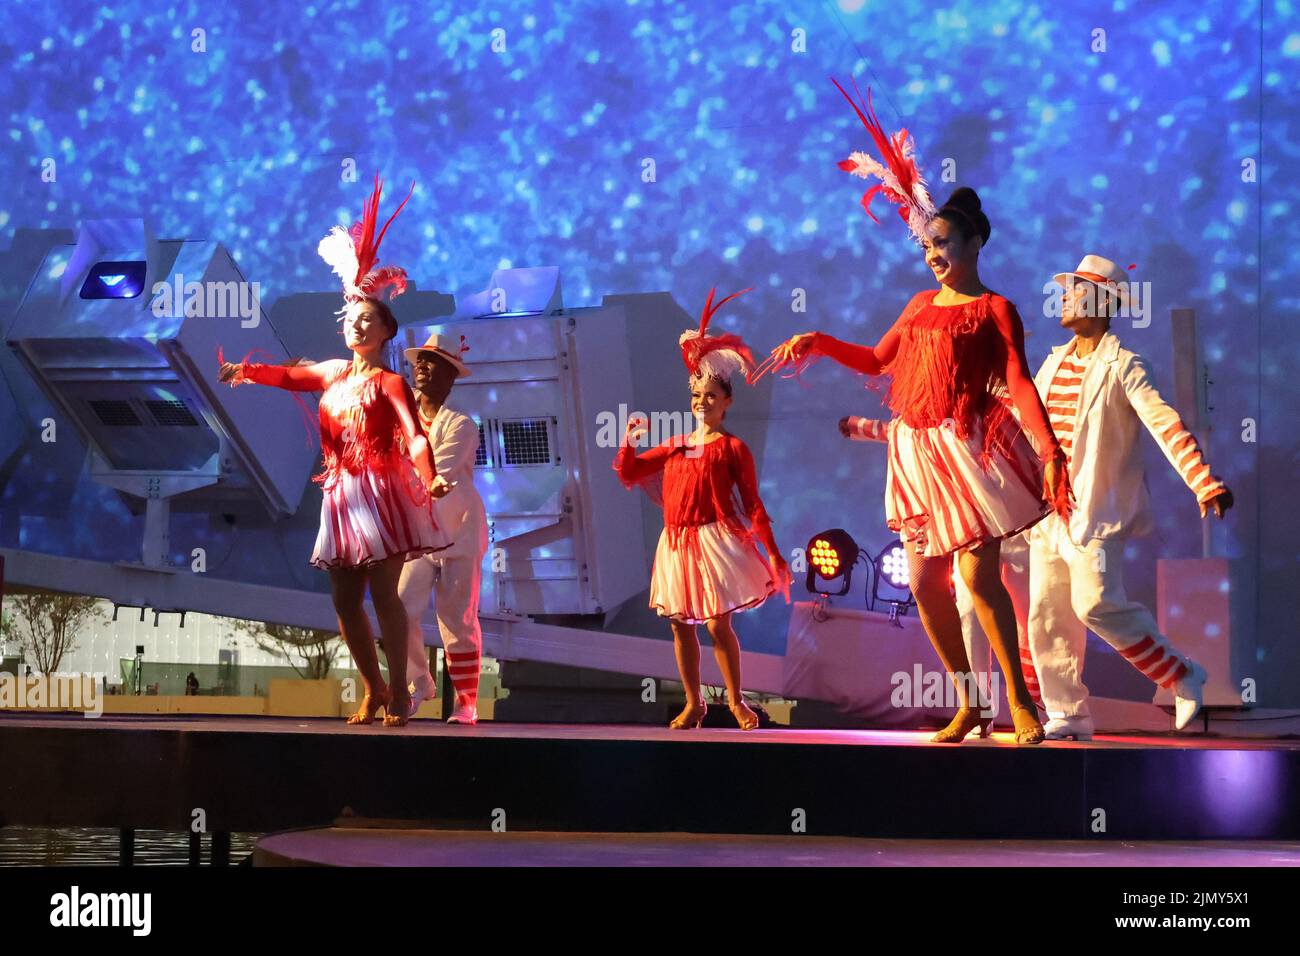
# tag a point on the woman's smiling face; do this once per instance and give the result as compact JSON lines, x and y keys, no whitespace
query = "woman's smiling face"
{"x":709,"y":401}
{"x":364,"y":328}
{"x":950,"y":257}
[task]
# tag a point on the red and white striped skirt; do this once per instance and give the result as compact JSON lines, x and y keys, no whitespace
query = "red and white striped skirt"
{"x":708,"y":571}
{"x":941,"y":499}
{"x":370,"y":515}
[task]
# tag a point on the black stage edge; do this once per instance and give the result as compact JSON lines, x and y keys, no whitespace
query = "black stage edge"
{"x":261,"y":774}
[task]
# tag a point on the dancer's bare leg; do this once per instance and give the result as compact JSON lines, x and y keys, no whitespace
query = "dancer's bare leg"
{"x":348,"y":590}
{"x":982,"y":570}
{"x":726,"y":648}
{"x":687,"y":648}
{"x":937,"y":608}
{"x":392,"y":631}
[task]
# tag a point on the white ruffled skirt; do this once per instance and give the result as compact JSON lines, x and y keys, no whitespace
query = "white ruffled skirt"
{"x":708,"y":571}
{"x":941,"y":498}
{"x":372,"y":514}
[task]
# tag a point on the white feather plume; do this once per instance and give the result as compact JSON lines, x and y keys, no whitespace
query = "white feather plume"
{"x":720,"y":363}
{"x":723,"y":364}
{"x":339,"y":252}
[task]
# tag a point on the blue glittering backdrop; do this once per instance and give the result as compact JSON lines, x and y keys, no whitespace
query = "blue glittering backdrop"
{"x":533,"y":156}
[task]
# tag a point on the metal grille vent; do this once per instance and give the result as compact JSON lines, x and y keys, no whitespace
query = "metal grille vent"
{"x":114,"y":413}
{"x":526,"y":442}
{"x":170,"y":412}
{"x":481,"y":453}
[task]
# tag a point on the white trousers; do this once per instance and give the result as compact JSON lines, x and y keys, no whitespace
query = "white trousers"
{"x":454,"y":585}
{"x":1074,"y":589}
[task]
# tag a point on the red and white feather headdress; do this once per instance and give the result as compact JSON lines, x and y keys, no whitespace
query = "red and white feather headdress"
{"x":353,"y":253}
{"x":715,"y":356}
{"x":900,"y":177}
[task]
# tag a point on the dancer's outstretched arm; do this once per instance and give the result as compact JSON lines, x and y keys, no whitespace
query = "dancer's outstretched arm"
{"x":860,"y":358}
{"x":864,"y":429}
{"x":294,"y":378}
{"x":1178,"y":444}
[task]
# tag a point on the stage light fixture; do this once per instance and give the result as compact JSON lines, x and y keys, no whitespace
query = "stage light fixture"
{"x":114,"y":279}
{"x":893,"y":577}
{"x":831,"y":556}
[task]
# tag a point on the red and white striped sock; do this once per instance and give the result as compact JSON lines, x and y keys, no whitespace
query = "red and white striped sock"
{"x":1157,"y":661}
{"x":1030,"y":675}
{"x":463,"y":668}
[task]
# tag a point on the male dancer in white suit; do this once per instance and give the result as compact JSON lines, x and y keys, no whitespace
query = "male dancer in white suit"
{"x":453,"y":574}
{"x":1097,"y":395}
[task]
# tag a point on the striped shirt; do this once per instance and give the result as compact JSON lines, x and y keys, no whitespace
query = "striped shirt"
{"x":1186,"y":453}
{"x":1063,"y":399}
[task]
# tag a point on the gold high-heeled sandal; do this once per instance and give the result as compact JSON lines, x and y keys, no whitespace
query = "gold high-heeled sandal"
{"x":963,"y":722}
{"x":689,"y":718}
{"x":745,"y":718}
{"x":370,"y":708}
{"x":1028,"y":730}
{"x":394,"y":719}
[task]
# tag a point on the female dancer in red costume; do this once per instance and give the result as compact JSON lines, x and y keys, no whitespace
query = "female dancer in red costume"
{"x":375,"y":511}
{"x":961,"y":473}
{"x":706,"y":565}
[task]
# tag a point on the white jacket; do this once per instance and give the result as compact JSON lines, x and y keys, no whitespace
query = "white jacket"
{"x":1116,"y":397}
{"x":454,"y":440}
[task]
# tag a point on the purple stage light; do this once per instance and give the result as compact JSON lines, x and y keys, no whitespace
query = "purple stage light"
{"x":114,"y":280}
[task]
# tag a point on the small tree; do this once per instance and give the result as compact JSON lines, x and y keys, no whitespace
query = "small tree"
{"x":7,"y":632}
{"x":318,"y":650}
{"x":47,"y":625}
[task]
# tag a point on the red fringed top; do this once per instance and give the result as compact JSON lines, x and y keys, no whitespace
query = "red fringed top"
{"x":701,"y":484}
{"x":365,"y":422}
{"x":947,"y":363}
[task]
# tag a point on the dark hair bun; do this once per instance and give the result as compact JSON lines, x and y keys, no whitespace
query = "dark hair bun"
{"x":963,"y":210}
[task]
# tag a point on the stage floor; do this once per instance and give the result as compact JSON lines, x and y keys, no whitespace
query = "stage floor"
{"x":266,"y":774}
{"x":494,"y":730}
{"x":347,"y":846}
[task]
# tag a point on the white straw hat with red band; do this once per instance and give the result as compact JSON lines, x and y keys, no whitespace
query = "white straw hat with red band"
{"x":446,"y":348}
{"x":1102,"y":273}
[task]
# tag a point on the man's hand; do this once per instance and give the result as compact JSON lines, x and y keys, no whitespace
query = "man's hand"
{"x":1218,"y":504}
{"x":440,"y":486}
{"x":845,"y":430}
{"x":1056,"y":484}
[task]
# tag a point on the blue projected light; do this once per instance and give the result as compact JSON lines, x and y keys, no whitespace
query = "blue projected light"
{"x":538,"y":154}
{"x":114,"y":280}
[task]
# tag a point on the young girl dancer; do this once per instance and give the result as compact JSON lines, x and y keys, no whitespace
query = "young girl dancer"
{"x":961,"y":474}
{"x":707,"y":566}
{"x":375,"y":511}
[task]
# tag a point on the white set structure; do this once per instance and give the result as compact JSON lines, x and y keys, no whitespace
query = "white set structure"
{"x":566,"y":537}
{"x":121,"y":332}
